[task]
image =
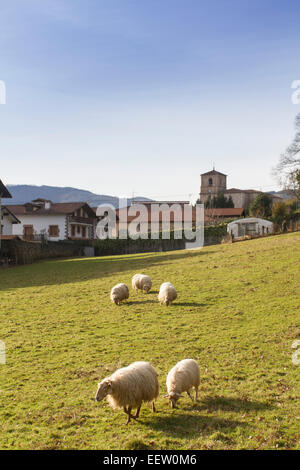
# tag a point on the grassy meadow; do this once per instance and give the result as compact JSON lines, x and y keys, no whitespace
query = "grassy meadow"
{"x":237,"y":314}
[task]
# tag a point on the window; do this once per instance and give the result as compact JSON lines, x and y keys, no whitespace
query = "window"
{"x":53,"y":231}
{"x":78,"y":229}
{"x":73,"y":230}
{"x":83,"y":232}
{"x":210,"y":181}
{"x":28,"y":232}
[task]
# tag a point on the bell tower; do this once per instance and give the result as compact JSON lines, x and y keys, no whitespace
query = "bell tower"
{"x":212,"y":183}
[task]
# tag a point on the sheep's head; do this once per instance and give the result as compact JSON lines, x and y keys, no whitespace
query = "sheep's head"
{"x":173,"y":397}
{"x":104,"y":388}
{"x":115,"y":299}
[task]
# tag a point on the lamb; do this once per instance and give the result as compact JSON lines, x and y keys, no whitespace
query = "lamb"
{"x":129,"y":387}
{"x":118,"y":293}
{"x":181,"y":378}
{"x":167,"y":293}
{"x":142,"y":282}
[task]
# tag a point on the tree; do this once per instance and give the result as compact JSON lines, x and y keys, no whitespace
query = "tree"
{"x":288,"y":169}
{"x":219,"y":201}
{"x":280,"y":213}
{"x":261,"y":206}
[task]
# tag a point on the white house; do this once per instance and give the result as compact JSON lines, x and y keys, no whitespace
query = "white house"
{"x":42,"y":218}
{"x":8,"y":220}
{"x":250,"y":226}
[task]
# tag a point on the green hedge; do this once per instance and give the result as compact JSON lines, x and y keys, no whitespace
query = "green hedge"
{"x":212,"y":235}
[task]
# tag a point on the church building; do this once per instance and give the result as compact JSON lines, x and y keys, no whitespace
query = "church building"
{"x":213,"y":183}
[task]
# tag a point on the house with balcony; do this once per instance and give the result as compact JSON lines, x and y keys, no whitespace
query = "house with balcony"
{"x":42,"y":219}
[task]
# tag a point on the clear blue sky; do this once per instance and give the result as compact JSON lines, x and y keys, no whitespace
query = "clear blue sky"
{"x":117,"y":96}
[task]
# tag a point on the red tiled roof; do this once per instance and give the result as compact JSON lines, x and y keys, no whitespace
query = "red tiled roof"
{"x":213,"y":172}
{"x":235,"y":190}
{"x":63,"y":208}
{"x":226,"y":212}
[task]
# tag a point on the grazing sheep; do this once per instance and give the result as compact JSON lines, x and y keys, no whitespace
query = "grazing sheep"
{"x":181,"y":378}
{"x":167,"y":293}
{"x":128,"y":387}
{"x":142,"y":282}
{"x":118,"y":293}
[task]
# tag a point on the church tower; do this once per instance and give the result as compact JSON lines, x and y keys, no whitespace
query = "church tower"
{"x":212,"y":183}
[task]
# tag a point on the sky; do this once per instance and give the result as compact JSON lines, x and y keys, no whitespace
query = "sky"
{"x":139,"y":97}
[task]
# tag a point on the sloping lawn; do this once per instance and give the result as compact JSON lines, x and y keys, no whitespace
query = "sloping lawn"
{"x":237,"y":314}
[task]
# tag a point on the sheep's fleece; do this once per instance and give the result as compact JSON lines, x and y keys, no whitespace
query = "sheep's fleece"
{"x":118,"y":293}
{"x":142,"y":282}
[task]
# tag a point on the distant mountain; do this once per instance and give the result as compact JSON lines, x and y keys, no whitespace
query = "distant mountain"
{"x":282,"y":194}
{"x":22,"y":193}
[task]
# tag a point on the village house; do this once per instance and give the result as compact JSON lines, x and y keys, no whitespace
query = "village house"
{"x":43,"y":219}
{"x":7,"y":218}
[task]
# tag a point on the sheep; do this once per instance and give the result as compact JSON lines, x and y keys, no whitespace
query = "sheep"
{"x":181,"y":378}
{"x":142,"y":282}
{"x":128,"y":387}
{"x":118,"y":293}
{"x":167,"y":293}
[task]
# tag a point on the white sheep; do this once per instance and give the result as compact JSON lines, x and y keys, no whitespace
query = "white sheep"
{"x":129,"y":387}
{"x":118,"y":293}
{"x":142,"y":282}
{"x":181,"y":378}
{"x":167,"y":293}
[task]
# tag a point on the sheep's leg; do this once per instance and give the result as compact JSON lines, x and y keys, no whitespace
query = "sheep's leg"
{"x":153,"y":407}
{"x":137,"y":412}
{"x":128,"y":412}
{"x":189,"y":395}
{"x":196,"y":393}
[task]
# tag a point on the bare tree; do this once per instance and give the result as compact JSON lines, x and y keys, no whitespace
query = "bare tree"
{"x":288,"y":169}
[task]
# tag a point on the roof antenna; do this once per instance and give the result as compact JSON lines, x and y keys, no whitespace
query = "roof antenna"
{"x":214,"y":166}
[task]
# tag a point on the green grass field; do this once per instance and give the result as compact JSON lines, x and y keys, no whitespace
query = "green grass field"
{"x":237,"y":314}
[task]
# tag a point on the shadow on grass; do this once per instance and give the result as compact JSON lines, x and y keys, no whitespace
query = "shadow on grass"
{"x":189,"y":304}
{"x":138,"y":302}
{"x":72,"y":270}
{"x":180,"y":424}
{"x":229,"y":404}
